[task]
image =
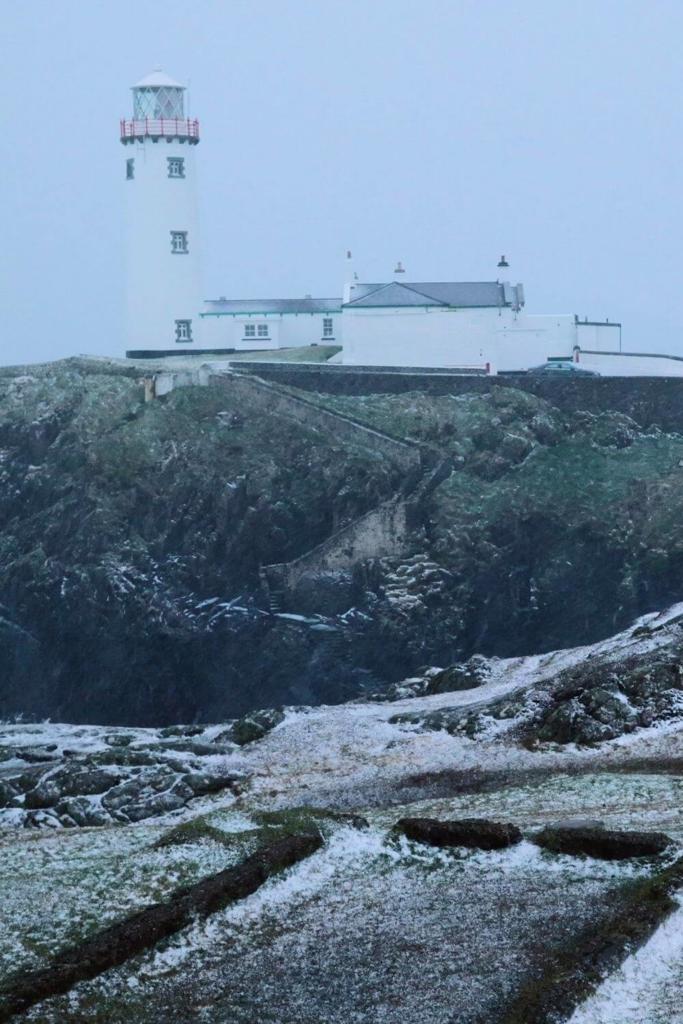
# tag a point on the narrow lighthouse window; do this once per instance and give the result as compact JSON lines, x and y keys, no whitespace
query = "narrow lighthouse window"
{"x":130,"y":169}
{"x":176,"y":166}
{"x":179,"y":242}
{"x":183,"y":330}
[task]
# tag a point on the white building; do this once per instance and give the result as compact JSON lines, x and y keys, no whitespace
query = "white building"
{"x":257,"y":324}
{"x":471,"y":325}
{"x":478,"y":325}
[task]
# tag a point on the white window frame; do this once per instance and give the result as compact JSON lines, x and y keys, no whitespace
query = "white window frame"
{"x":262,"y":331}
{"x":328,"y":327}
{"x":250,"y":330}
{"x":176,"y":166}
{"x":183,"y":331}
{"x":179,"y":245}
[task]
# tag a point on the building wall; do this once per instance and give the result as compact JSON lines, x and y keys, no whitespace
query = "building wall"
{"x":525,"y":340}
{"x":629,"y":364}
{"x":285,"y":330}
{"x":598,"y":337}
{"x":431,"y":336}
{"x":438,"y":337}
{"x":162,"y":287}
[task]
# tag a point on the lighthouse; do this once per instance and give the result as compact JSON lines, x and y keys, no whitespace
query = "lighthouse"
{"x":163,"y":287}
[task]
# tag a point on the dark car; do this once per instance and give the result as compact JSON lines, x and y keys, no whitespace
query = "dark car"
{"x":568,"y":369}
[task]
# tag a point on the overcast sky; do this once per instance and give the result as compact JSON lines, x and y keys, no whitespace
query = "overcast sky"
{"x":442,"y":133}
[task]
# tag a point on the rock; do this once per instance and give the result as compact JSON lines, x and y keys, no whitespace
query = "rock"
{"x":571,"y":723}
{"x":160,"y":803}
{"x":255,"y":725}
{"x":74,"y":780}
{"x":602,"y":843}
{"x":190,"y":746}
{"x":591,"y":704}
{"x":29,"y":779}
{"x":37,"y":755}
{"x":7,"y":793}
{"x":476,"y":833}
{"x":118,"y":740}
{"x":182,"y":730}
{"x":81,"y":811}
{"x":183,"y":791}
{"x":125,"y":757}
{"x":463,"y":676}
{"x":201,"y":783}
{"x":147,"y":783}
{"x":41,"y":819}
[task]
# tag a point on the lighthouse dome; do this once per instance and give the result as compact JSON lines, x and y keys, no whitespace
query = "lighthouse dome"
{"x":157,"y":95}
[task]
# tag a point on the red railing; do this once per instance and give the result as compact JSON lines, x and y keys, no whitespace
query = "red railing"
{"x":163,"y":127}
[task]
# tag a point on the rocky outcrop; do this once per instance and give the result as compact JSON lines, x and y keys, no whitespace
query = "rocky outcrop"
{"x":465,"y":676}
{"x":476,"y":833}
{"x":255,"y":725}
{"x":594,"y":703}
{"x":602,"y":843}
{"x":128,"y":783}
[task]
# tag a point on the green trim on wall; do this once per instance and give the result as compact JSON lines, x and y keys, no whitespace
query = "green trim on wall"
{"x":256,"y":312}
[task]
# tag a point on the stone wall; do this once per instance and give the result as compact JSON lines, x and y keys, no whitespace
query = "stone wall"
{"x":650,"y":401}
{"x":381,"y":533}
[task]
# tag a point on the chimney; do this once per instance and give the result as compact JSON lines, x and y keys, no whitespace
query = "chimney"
{"x":350,"y":278}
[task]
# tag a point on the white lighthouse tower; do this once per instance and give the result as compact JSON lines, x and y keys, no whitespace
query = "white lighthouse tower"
{"x":163,"y":269}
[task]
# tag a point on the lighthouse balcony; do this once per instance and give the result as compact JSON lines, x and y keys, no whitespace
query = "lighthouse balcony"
{"x":169,"y":128}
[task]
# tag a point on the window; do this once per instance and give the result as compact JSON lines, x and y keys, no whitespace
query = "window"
{"x":263,"y":330}
{"x":183,"y":330}
{"x":130,"y":169}
{"x":179,"y":242}
{"x":176,"y":166}
{"x":250,"y":330}
{"x":328,"y":327}
{"x":156,"y":102}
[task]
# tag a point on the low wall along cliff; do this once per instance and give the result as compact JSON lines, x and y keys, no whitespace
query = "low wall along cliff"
{"x":650,"y":401}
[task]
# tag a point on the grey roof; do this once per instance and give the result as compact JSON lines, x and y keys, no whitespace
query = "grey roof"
{"x":305,"y":305}
{"x":441,"y":293}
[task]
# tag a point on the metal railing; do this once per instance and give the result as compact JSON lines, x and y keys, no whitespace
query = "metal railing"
{"x":163,"y":127}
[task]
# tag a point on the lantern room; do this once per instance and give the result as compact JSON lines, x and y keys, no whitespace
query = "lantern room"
{"x":159,"y":112}
{"x":158,"y":97}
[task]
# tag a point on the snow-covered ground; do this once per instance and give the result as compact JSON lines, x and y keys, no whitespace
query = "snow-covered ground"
{"x":371,"y":928}
{"x":367,"y":930}
{"x":647,"y":988}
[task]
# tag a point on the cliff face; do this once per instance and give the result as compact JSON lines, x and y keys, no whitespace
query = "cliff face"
{"x":123,"y":526}
{"x":131,"y":537}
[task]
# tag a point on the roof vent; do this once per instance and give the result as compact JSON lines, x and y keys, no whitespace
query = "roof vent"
{"x":399,"y":268}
